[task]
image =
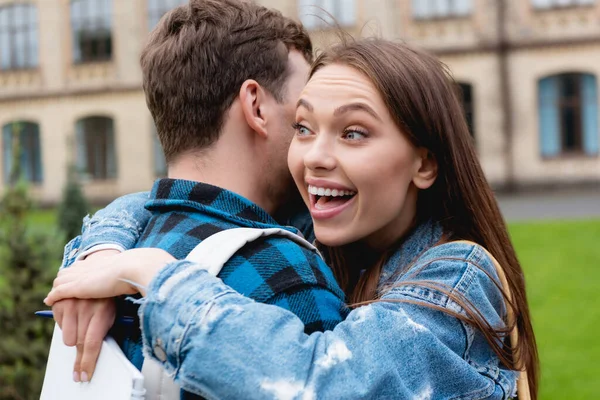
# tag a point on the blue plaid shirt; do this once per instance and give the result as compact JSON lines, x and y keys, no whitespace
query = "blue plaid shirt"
{"x":271,"y":270}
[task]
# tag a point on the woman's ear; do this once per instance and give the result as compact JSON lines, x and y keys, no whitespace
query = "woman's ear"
{"x":252,"y":99}
{"x":427,"y":169}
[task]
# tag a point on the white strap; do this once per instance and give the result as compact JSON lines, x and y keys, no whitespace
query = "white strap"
{"x":213,"y":252}
{"x":211,"y":255}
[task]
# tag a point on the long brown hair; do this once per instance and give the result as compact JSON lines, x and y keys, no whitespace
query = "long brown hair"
{"x":420,"y":94}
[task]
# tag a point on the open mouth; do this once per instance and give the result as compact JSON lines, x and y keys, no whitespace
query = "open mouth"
{"x":327,"y":199}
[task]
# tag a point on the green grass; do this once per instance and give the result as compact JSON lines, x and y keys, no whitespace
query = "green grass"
{"x":561,"y":260}
{"x":562,"y":267}
{"x":44,"y":220}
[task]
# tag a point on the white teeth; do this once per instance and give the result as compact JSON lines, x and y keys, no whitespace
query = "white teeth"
{"x":329,"y":192}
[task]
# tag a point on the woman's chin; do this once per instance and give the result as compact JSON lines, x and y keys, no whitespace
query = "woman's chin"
{"x":331,"y":238}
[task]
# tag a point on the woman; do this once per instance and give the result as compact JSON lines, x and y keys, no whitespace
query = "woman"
{"x":384,"y":160}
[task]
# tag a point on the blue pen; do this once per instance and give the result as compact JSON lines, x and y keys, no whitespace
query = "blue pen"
{"x":121,"y":320}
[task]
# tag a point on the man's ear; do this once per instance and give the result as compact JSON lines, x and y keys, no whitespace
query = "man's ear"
{"x":427,"y":169}
{"x":253,"y":101}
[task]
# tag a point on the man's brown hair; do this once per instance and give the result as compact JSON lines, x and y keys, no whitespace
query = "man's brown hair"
{"x":198,"y":57}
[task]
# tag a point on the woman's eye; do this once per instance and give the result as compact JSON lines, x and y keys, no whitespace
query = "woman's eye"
{"x":301,"y":130}
{"x":354,"y":135}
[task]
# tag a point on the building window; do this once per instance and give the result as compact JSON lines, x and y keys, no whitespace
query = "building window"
{"x":548,"y":4}
{"x":319,"y":13}
{"x":18,"y":36}
{"x":160,"y":164}
{"x":96,"y":157}
{"x":158,"y":8}
{"x":91,"y":26}
{"x":568,"y":114}
{"x":434,"y":9}
{"x":466,"y":95}
{"x":25,"y":135}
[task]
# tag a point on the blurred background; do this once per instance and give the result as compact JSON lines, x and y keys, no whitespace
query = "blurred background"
{"x":76,"y":131}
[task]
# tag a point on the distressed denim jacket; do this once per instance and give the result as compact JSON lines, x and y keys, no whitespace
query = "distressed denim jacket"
{"x":222,"y":345}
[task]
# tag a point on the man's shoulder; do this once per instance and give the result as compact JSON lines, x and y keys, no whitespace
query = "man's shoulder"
{"x":180,"y":221}
{"x":179,"y":231}
{"x":279,"y":264}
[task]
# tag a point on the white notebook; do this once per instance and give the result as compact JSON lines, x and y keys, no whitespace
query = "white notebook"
{"x":115,"y":378}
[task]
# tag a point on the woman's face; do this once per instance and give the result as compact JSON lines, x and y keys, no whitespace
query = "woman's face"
{"x":355,"y":169}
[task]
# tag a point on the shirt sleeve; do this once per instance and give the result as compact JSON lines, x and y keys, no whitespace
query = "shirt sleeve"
{"x":119,"y":225}
{"x":220,"y":344}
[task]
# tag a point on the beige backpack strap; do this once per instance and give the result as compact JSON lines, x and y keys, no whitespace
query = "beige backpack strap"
{"x":523,"y":392}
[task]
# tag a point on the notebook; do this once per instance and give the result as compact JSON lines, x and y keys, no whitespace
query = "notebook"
{"x":115,"y":378}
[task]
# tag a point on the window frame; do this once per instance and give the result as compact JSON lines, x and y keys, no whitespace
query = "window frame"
{"x":576,"y":103}
{"x":30,"y":31}
{"x":468,"y":107}
{"x":315,"y":15}
{"x":555,"y":6}
{"x":88,"y":139}
{"x":433,"y":16}
{"x":83,"y":53}
{"x":30,"y":154}
{"x":553,"y":101}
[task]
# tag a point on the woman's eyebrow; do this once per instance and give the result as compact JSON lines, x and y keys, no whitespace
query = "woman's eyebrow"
{"x":355,"y":107}
{"x":305,"y":104}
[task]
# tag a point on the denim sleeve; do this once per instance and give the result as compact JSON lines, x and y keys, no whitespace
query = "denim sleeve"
{"x":120,"y":223}
{"x":220,"y":344}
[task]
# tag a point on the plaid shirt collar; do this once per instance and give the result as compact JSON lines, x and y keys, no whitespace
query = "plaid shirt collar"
{"x":179,"y":193}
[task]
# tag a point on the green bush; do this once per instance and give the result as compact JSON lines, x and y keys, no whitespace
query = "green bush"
{"x":73,"y":206}
{"x":27,"y":267}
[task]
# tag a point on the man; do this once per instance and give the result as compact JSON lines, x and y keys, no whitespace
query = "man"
{"x":221,"y":79}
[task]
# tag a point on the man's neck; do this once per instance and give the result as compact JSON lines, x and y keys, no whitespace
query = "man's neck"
{"x":231,"y":173}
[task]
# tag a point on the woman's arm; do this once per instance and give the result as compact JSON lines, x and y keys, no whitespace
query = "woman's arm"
{"x":223,"y":345}
{"x":117,"y":226}
{"x":220,"y":344}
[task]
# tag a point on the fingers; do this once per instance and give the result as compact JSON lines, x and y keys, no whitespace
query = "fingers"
{"x":97,"y":330}
{"x":69,"y":329}
{"x":66,"y":290}
{"x":84,"y":315}
{"x":58,"y":311}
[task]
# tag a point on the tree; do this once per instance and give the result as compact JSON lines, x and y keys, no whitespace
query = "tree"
{"x":73,"y":206}
{"x":27,"y":268}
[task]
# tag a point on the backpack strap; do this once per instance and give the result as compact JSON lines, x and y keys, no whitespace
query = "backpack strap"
{"x":213,"y":252}
{"x":523,"y":392}
{"x":211,"y":255}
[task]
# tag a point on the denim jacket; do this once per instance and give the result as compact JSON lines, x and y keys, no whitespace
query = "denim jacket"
{"x":392,"y":348}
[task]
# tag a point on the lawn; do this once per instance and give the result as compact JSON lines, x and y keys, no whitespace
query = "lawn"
{"x":561,"y":260}
{"x":562,"y":267}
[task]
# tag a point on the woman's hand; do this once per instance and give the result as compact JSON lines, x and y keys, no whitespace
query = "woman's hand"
{"x":126,"y":273}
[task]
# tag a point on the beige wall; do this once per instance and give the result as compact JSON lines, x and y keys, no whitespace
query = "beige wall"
{"x":527,"y":68}
{"x":481,"y":70}
{"x":57,"y":93}
{"x":56,"y":118}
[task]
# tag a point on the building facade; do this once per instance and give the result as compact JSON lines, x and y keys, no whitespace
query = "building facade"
{"x":70,"y":83}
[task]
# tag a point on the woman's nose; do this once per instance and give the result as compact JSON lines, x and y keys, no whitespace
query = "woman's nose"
{"x":321,"y":155}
